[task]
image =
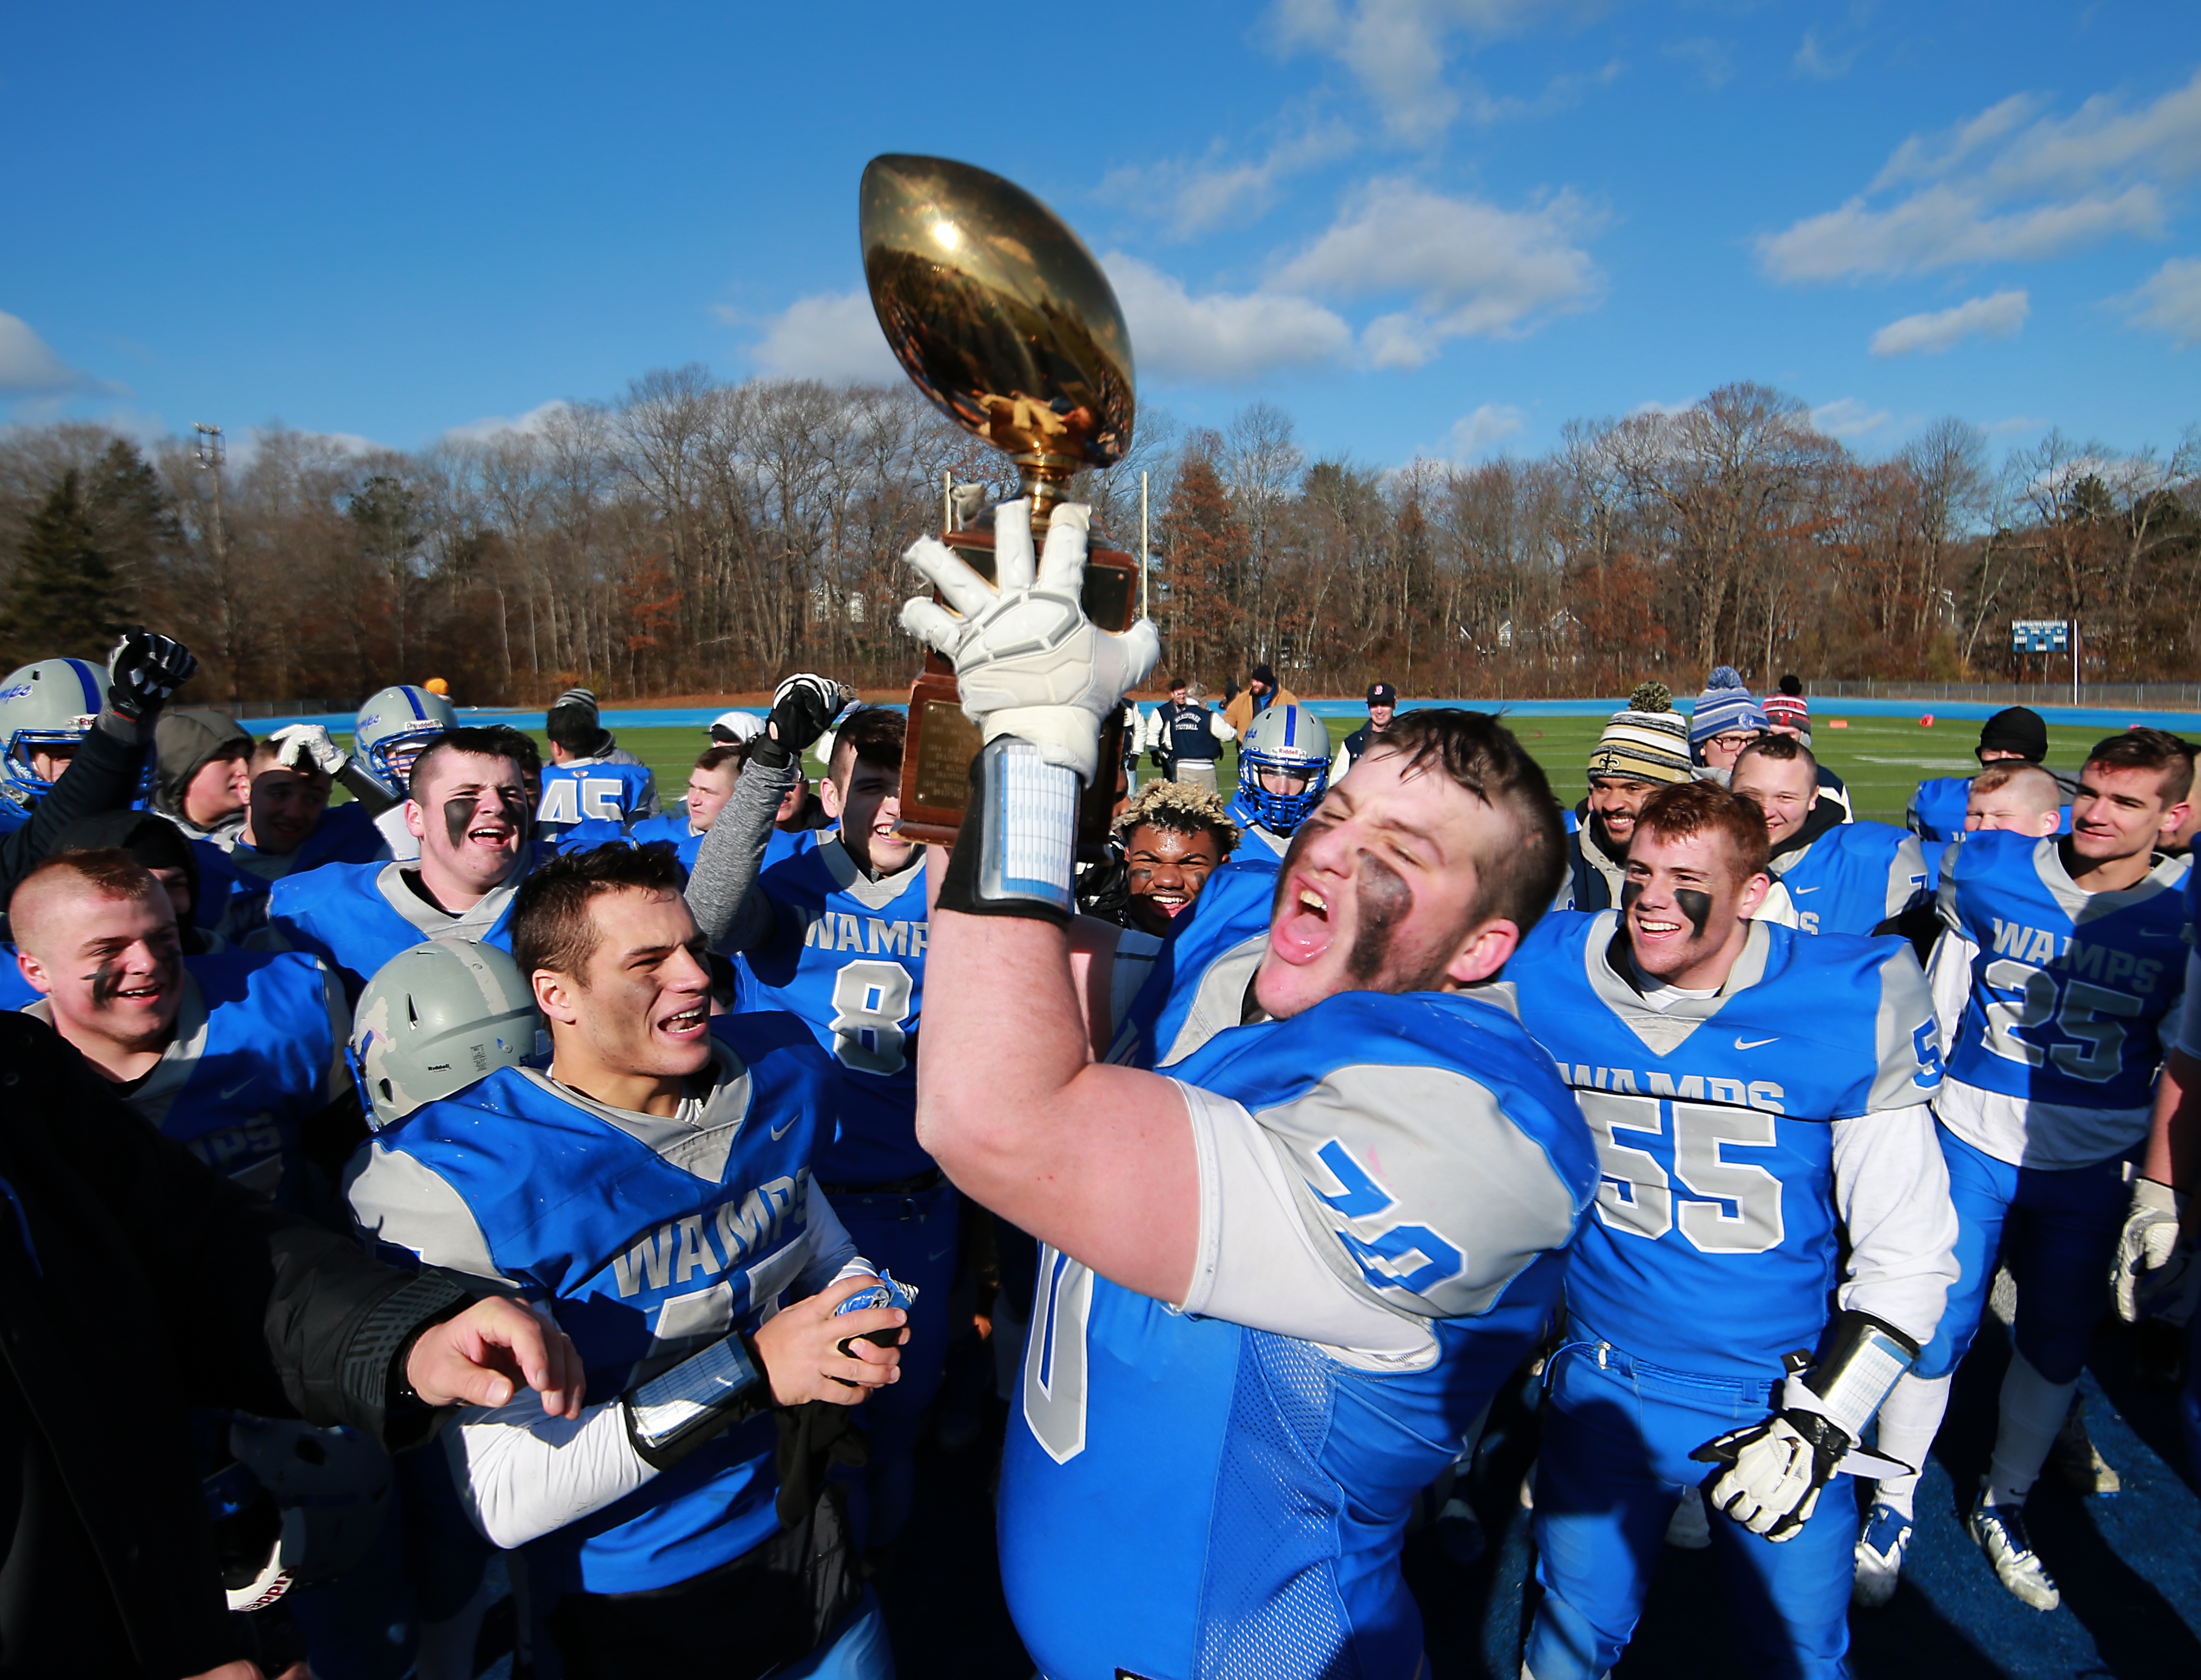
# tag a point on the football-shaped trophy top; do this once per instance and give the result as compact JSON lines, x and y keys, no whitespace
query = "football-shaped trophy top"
{"x":999,"y":315}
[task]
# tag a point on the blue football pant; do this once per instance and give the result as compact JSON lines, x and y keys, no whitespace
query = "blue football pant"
{"x":914,"y":1238}
{"x":858,"y":1650}
{"x":1614,"y":1464}
{"x":2056,"y":1231}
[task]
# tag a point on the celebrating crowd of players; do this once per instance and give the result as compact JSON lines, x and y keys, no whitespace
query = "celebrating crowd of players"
{"x":1294,"y":1132}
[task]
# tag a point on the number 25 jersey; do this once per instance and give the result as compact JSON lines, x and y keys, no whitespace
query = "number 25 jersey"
{"x":1714,"y":1244}
{"x":2053,"y":1058}
{"x":848,"y":957}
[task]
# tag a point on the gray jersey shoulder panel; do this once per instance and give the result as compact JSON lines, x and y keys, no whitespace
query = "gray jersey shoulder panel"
{"x":394,"y":1199}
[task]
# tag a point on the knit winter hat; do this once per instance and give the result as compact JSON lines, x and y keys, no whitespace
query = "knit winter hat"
{"x":1649,"y":740}
{"x":1788,"y":709}
{"x":2016,"y":729}
{"x":1724,"y":705}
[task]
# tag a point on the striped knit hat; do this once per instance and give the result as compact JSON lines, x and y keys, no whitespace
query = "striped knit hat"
{"x":1725,"y":704}
{"x":1789,"y":709}
{"x":1649,"y":740}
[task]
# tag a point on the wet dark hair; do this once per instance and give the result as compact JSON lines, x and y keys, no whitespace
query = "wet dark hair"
{"x":1519,"y":876}
{"x":552,"y":926}
{"x":486,"y":743}
{"x":870,"y":733}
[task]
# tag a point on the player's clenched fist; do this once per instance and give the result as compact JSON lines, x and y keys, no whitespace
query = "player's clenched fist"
{"x":802,"y":1348}
{"x":1028,"y":662}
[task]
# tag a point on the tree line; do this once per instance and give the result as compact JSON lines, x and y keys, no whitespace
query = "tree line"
{"x":697,"y":537}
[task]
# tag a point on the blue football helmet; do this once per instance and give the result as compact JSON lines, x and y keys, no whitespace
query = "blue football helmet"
{"x":1288,"y":738}
{"x":52,"y":703}
{"x":395,"y":724}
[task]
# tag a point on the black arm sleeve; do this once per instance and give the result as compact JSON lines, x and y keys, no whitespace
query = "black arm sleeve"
{"x":102,"y":777}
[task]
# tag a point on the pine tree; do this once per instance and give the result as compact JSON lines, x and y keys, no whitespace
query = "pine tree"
{"x":61,"y":599}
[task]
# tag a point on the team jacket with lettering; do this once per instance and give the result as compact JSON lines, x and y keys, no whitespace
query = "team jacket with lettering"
{"x":2057,"y":998}
{"x":1714,"y":1245}
{"x":1853,"y":878}
{"x":356,"y":916}
{"x":846,"y":955}
{"x":1182,"y":1495}
{"x":258,"y":1037}
{"x":584,"y":789}
{"x":648,"y":1238}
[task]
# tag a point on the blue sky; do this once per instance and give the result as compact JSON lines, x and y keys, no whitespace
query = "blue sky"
{"x":1442,"y":226}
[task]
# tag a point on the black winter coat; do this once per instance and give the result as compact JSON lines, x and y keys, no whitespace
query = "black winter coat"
{"x":135,"y":1285}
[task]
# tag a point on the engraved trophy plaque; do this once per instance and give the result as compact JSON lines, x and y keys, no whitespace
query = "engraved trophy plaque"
{"x":1001,"y":317}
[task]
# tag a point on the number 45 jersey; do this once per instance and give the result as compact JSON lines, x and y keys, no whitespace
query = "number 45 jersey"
{"x":1388,"y":1185}
{"x":1714,"y":1247}
{"x":2059,"y":998}
{"x":848,"y":957}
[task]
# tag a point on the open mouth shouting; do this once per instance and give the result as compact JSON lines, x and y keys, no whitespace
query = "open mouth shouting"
{"x":1170,"y":904}
{"x":1301,"y":929}
{"x":686,"y":1026}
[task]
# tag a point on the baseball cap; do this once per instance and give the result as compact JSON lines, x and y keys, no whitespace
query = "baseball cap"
{"x":1383,"y":694}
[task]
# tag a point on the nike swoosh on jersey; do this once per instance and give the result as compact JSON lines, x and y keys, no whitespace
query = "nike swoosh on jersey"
{"x":1752,"y":1043}
{"x":1798,"y":892}
{"x":234,"y":1089}
{"x":779,"y":1132}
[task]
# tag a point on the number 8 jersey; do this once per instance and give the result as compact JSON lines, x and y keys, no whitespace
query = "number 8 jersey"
{"x":848,"y":957}
{"x":1714,"y":1241}
{"x":2057,"y":997}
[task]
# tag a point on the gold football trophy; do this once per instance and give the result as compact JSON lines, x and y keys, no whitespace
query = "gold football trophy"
{"x":1001,"y":317}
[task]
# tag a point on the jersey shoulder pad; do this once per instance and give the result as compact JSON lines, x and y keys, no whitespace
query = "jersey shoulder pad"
{"x":1437,"y":1176}
{"x":1849,"y":983}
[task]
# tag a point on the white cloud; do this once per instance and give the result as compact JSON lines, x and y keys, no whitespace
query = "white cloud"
{"x":1395,"y":49}
{"x":1813,"y":60}
{"x":1995,"y":316}
{"x":833,"y":335}
{"x":1223,"y":336}
{"x":495,"y":426}
{"x":1473,"y":268}
{"x":1193,"y":197}
{"x":1652,"y":406}
{"x":1943,"y":227}
{"x":28,"y":367}
{"x":2014,"y":425}
{"x":1488,"y":425}
{"x":2012,"y":183}
{"x":1846,"y":417}
{"x":2169,"y":301}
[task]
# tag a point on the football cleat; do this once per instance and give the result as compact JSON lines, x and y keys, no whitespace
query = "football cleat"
{"x":2001,"y":1531}
{"x":1880,"y":1556}
{"x":2079,"y":1462}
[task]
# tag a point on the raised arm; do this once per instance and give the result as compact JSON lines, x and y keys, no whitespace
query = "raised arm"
{"x":730,"y":908}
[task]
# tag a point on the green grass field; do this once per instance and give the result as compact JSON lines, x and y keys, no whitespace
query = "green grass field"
{"x":1881,"y":759}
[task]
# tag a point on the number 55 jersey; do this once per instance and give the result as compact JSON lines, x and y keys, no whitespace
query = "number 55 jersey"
{"x":1735,"y":1131}
{"x":2057,"y":995}
{"x":1388,"y":1185}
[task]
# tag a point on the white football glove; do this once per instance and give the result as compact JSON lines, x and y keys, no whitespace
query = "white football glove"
{"x":1028,"y":662}
{"x":2149,"y":1257}
{"x":1773,"y":1475}
{"x":307,"y":745}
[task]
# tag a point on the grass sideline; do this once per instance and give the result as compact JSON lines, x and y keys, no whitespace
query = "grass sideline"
{"x":1881,"y":759}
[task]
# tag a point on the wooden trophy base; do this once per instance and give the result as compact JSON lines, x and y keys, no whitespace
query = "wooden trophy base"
{"x":936,"y":759}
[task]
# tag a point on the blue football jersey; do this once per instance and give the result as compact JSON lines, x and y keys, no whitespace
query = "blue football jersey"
{"x":588,"y":789}
{"x":257,"y":1052}
{"x":648,"y":1238}
{"x":672,"y":830}
{"x":1938,"y":806}
{"x":234,"y":885}
{"x":1714,"y":1246}
{"x":1182,"y":1496}
{"x":1182,"y":1002}
{"x":354,"y":917}
{"x":1853,"y":878}
{"x":2068,"y":989}
{"x":848,"y":957}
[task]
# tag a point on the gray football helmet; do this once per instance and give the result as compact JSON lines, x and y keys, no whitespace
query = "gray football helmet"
{"x":52,"y":703}
{"x":330,"y":1489}
{"x":433,"y":1020}
{"x":394,"y":725}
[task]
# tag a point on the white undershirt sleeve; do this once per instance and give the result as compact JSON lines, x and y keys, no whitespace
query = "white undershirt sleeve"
{"x":1949,"y":978}
{"x":1892,"y":1190}
{"x":521,"y":1475}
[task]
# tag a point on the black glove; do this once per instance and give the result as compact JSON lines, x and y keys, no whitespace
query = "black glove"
{"x":144,"y":671}
{"x":802,"y":708}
